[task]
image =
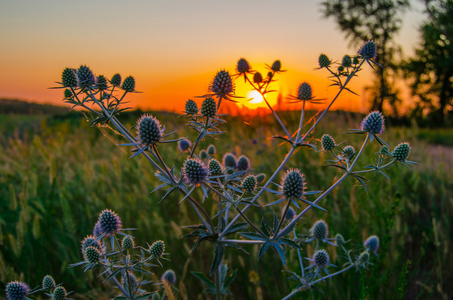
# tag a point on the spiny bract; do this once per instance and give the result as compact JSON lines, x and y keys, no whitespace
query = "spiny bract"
{"x":194,"y":171}
{"x":149,"y":130}
{"x":373,"y":123}
{"x":293,"y":184}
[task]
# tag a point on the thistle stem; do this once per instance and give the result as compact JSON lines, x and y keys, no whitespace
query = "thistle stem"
{"x":288,"y":204}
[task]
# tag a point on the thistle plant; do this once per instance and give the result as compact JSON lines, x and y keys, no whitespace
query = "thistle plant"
{"x":230,"y":182}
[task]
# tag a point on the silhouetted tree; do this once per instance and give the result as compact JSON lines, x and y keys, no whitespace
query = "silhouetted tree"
{"x":376,"y":20}
{"x":431,"y":70}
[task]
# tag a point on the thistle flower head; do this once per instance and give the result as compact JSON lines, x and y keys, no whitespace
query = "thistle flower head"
{"x":92,"y":255}
{"x":101,"y":83}
{"x":209,"y":108}
{"x":373,"y":123}
{"x":191,"y":107}
{"x":321,"y":259}
{"x":368,"y":50}
{"x":229,"y":161}
{"x":347,"y":61}
{"x":59,"y":293}
{"x":372,"y":243}
{"x":327,"y":142}
{"x":355,"y":61}
{"x":68,"y":78}
{"x":194,"y":171}
{"x":363,"y":259}
{"x":48,"y":282}
{"x":222,"y":84}
{"x":149,"y":130}
{"x":348,"y":152}
{"x":85,"y":76}
{"x":340,"y":69}
{"x":293,"y":184}
{"x":243,"y":66}
{"x":91,"y":241}
{"x":243,"y":163}
{"x":169,"y":276}
{"x":324,"y":61}
{"x":68,"y":93}
{"x":157,"y":249}
{"x":203,"y":154}
{"x":401,"y":152}
{"x":127,"y":242}
{"x":97,"y":230}
{"x":340,"y":240}
{"x":276,"y":66}
{"x":290,"y":214}
{"x":211,"y":150}
{"x":128,"y":84}
{"x":260,"y":178}
{"x":17,"y":290}
{"x":257,"y":77}
{"x":184,"y":145}
{"x":304,"y":92}
{"x":214,"y":167}
{"x":109,"y":222}
{"x":319,"y":230}
{"x":116,"y":80}
{"x":249,"y":183}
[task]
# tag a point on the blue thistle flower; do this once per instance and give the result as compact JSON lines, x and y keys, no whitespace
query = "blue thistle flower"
{"x":85,"y":76}
{"x":203,"y":154}
{"x":101,"y":83}
{"x":347,"y":61}
{"x":127,"y":242}
{"x":243,"y":66}
{"x":229,"y":161}
{"x":209,"y":108}
{"x":68,"y":78}
{"x":340,"y":240}
{"x":48,"y":282}
{"x":92,"y":255}
{"x":257,"y":77}
{"x":368,"y":50}
{"x":222,"y":85}
{"x":97,"y":230}
{"x":321,"y":259}
{"x":363,"y":259}
{"x":109,"y":222}
{"x":327,"y":142}
{"x":290,"y":214}
{"x":169,"y":276}
{"x":349,"y":152}
{"x":243,"y":163}
{"x":276,"y":66}
{"x":116,"y":80}
{"x":191,"y":107}
{"x":293,"y":184}
{"x":319,"y":230}
{"x":91,"y":241}
{"x":214,"y":167}
{"x":184,"y":145}
{"x":373,"y":123}
{"x":194,"y":171}
{"x":211,"y":150}
{"x":129,"y":84}
{"x":149,"y":130}
{"x":401,"y":152}
{"x":157,"y":249}
{"x":59,"y":293}
{"x":323,"y":61}
{"x":249,"y":183}
{"x":304,"y":92}
{"x":17,"y":290}
{"x":260,"y":178}
{"x":68,"y":94}
{"x":372,"y":243}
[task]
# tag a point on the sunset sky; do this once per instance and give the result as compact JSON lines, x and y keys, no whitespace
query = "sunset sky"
{"x":172,"y":48}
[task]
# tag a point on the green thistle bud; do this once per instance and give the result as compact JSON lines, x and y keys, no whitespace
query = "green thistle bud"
{"x":340,"y":240}
{"x":209,"y":108}
{"x":68,"y":93}
{"x":127,"y":242}
{"x":257,"y":77}
{"x":68,"y":78}
{"x":214,"y":167}
{"x":149,"y":130}
{"x":355,"y":61}
{"x":243,"y":66}
{"x":129,"y":84}
{"x":327,"y":142}
{"x":157,"y":249}
{"x":340,"y":69}
{"x":304,"y":92}
{"x":385,"y":151}
{"x":373,"y":123}
{"x":276,"y":66}
{"x":101,"y":83}
{"x":92,"y":255}
{"x":194,"y":171}
{"x":324,"y":61}
{"x":191,"y":107}
{"x":293,"y":184}
{"x":116,"y":80}
{"x":347,"y":61}
{"x":229,"y":161}
{"x":48,"y":282}
{"x":349,"y":152}
{"x":203,"y":154}
{"x":260,"y":178}
{"x":321,"y":259}
{"x":249,"y":183}
{"x":211,"y":150}
{"x":401,"y":152}
{"x":243,"y":163}
{"x":59,"y":293}
{"x":319,"y":230}
{"x":363,"y":259}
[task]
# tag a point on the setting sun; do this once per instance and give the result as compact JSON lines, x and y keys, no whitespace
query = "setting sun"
{"x":254,"y":97}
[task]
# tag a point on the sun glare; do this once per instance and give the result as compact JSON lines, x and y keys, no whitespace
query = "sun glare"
{"x":254,"y":97}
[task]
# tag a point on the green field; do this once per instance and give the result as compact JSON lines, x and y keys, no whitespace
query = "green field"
{"x":57,"y":173}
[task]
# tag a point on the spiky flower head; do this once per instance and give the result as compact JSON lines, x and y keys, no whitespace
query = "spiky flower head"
{"x":347,"y":61}
{"x":101,"y":82}
{"x":327,"y":142}
{"x":222,"y":83}
{"x":214,"y":167}
{"x":194,"y":171}
{"x":324,"y":61}
{"x":109,"y":222}
{"x":355,"y":61}
{"x":191,"y":107}
{"x":157,"y":249}
{"x":363,"y":259}
{"x":68,"y":93}
{"x":276,"y":66}
{"x":401,"y":152}
{"x":209,"y":108}
{"x":290,"y":214}
{"x":17,"y":290}
{"x":184,"y":145}
{"x":85,"y":76}
{"x":304,"y":92}
{"x":293,"y":184}
{"x":372,"y":243}
{"x":340,"y":69}
{"x":257,"y":77}
{"x":169,"y":276}
{"x":229,"y":161}
{"x":203,"y":154}
{"x":149,"y":130}
{"x":48,"y":282}
{"x":68,"y":78}
{"x":127,"y":242}
{"x":97,"y":230}
{"x":340,"y":240}
{"x":249,"y":183}
{"x":116,"y":80}
{"x":92,"y":255}
{"x":59,"y":293}
{"x":211,"y":150}
{"x":91,"y":241}
{"x":260,"y":177}
{"x":319,"y":230}
{"x":129,"y":84}
{"x":321,"y":259}
{"x":243,"y":66}
{"x":243,"y":163}
{"x":373,"y":123}
{"x":368,"y":50}
{"x":349,"y":152}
